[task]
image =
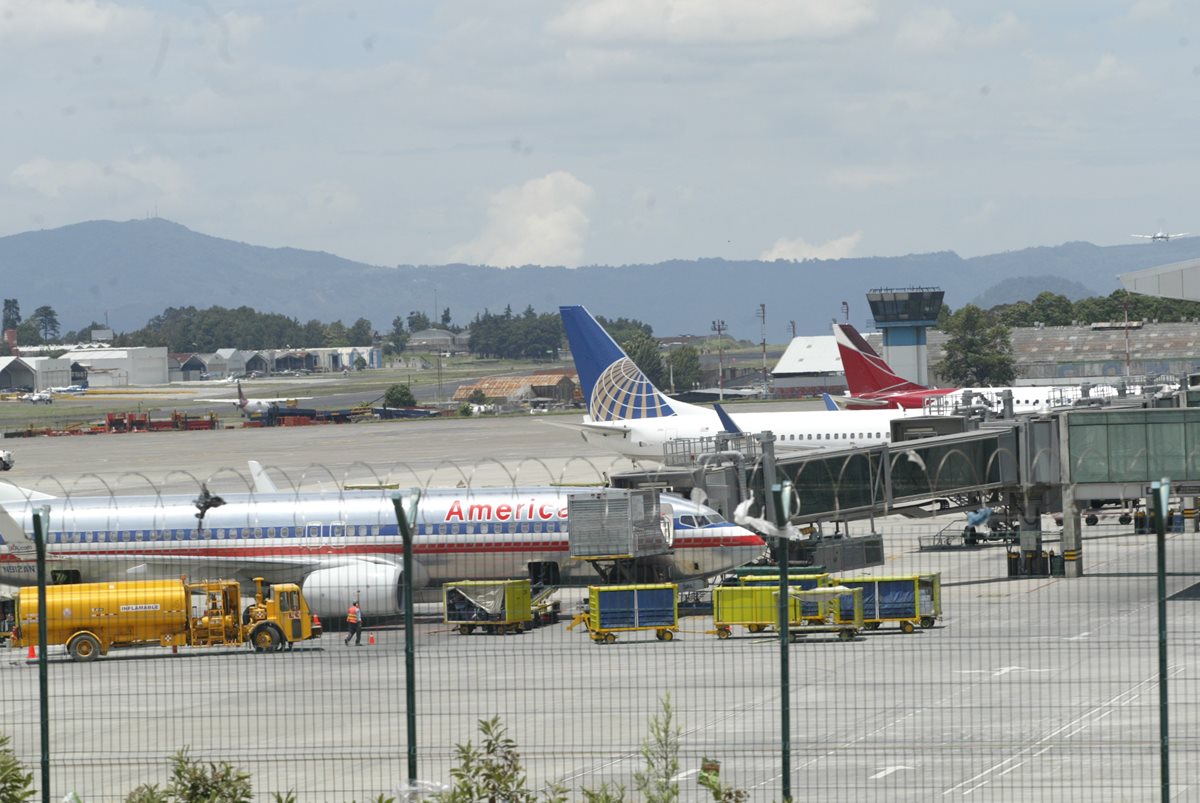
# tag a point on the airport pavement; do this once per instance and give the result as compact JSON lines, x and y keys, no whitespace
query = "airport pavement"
{"x":1034,"y":689}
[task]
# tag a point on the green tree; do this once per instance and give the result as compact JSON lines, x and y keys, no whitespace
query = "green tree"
{"x":417,"y":321}
{"x":978,"y":352}
{"x":15,"y":783}
{"x":399,"y":396}
{"x":361,"y":333}
{"x":621,"y":329}
{"x":643,"y":350}
{"x":28,"y":333}
{"x":477,"y":397}
{"x":46,"y":320}
{"x":397,"y":339}
{"x":683,"y":366}
{"x":1052,"y":309}
{"x":660,"y":752}
{"x":493,"y":771}
{"x":336,"y":334}
{"x":446,"y":318}
{"x":359,"y":363}
{"x":12,"y":313}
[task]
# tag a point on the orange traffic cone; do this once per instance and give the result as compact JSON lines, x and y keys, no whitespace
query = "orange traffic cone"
{"x":371,"y":638}
{"x":32,"y":651}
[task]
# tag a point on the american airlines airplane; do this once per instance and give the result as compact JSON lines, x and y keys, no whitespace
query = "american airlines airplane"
{"x":340,"y":546}
{"x":872,"y":384}
{"x":630,"y":416}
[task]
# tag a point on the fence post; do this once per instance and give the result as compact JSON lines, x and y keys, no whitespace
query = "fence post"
{"x":410,"y":668}
{"x":41,"y":519}
{"x":783,"y":560}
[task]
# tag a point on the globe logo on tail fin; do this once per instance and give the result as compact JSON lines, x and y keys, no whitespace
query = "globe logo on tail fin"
{"x":622,"y":392}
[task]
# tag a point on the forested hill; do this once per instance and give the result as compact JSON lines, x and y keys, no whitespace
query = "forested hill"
{"x":127,"y":272}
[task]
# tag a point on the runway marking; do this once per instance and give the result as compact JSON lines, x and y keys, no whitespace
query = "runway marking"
{"x":1085,"y":720}
{"x":998,"y":673}
{"x":886,"y":771}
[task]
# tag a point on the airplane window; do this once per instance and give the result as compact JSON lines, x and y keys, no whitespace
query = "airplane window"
{"x":712,"y":518}
{"x":687,"y":521}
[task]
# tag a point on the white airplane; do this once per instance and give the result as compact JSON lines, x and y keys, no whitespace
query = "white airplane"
{"x":38,"y":397}
{"x":627,"y":414}
{"x":340,"y":545}
{"x":872,"y":384}
{"x":1160,"y":236}
{"x":249,"y":407}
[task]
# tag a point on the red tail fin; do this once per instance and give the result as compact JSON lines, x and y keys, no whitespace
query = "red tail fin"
{"x":866,"y":372}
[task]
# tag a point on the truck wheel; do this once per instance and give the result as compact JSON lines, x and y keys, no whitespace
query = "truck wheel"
{"x":266,"y":639}
{"x":84,"y":647}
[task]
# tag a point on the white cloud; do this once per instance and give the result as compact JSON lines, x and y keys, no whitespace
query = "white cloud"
{"x":32,"y":21}
{"x":157,"y":175}
{"x":703,"y":21}
{"x":1143,"y":10}
{"x":798,"y":249}
{"x":928,"y":29}
{"x":1109,"y":72}
{"x":937,"y":28}
{"x":866,"y":177}
{"x":541,"y":222}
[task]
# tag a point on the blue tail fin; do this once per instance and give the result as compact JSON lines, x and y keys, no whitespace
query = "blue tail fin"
{"x":615,"y":389}
{"x":727,"y":422}
{"x":830,"y":404}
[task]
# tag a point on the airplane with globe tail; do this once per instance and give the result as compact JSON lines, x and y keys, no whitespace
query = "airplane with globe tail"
{"x":627,"y":414}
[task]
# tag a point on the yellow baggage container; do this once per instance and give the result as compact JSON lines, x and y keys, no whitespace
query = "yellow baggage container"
{"x":615,"y":609}
{"x":908,"y":600}
{"x":493,"y":606}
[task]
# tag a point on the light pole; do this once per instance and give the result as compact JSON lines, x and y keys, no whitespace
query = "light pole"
{"x":719,"y":327}
{"x":762,"y":317}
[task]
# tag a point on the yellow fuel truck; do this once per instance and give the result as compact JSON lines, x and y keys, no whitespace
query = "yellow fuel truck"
{"x":89,"y":619}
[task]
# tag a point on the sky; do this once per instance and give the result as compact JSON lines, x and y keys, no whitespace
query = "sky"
{"x":605,"y":131}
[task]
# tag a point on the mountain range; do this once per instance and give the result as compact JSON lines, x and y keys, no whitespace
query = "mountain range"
{"x":123,"y":273}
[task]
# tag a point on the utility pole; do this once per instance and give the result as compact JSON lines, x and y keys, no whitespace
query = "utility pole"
{"x":1125,"y":307}
{"x":719,"y":327}
{"x":762,"y":318}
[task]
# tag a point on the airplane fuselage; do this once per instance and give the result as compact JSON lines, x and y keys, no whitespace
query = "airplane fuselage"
{"x":342,"y":543}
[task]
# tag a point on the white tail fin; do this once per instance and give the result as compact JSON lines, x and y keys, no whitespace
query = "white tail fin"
{"x":263,"y":483}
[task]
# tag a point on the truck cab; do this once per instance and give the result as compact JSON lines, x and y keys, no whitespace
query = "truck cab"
{"x":278,"y":617}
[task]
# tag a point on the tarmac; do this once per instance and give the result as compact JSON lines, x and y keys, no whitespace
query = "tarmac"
{"x":1032,"y":689}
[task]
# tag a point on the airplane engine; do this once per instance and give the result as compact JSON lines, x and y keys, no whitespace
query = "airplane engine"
{"x":376,"y":586}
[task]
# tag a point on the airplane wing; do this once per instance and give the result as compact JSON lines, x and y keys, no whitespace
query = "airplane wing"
{"x":1143,"y":236}
{"x":865,"y":402}
{"x":586,"y":425}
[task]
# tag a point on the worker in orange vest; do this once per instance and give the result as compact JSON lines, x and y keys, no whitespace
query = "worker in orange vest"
{"x":354,"y":624}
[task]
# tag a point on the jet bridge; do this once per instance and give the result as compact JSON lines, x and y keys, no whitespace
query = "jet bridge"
{"x":1064,"y":461}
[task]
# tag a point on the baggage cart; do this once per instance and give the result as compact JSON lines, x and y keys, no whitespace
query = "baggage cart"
{"x":910,"y":600}
{"x":814,"y":610}
{"x":493,"y":606}
{"x":810,"y":609}
{"x":617,"y":609}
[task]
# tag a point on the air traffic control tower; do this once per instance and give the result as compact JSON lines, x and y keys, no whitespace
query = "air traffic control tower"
{"x":903,"y":316}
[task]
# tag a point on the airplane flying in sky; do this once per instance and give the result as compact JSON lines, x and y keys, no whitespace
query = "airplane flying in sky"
{"x":1160,"y":236}
{"x":249,"y":407}
{"x":630,"y":416}
{"x":341,"y":546}
{"x":872,"y":384}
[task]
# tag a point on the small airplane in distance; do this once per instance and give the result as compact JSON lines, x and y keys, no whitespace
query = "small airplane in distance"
{"x":249,"y":407}
{"x":1160,"y":236}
